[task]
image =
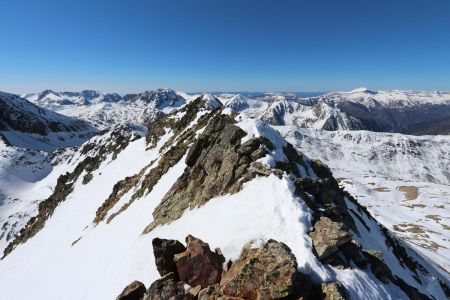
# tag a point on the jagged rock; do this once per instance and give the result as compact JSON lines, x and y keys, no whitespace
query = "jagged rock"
{"x":267,"y":272}
{"x":164,"y":251}
{"x":260,"y":169}
{"x":167,"y":287}
{"x":214,"y":167}
{"x":321,"y":169}
{"x":258,"y":153}
{"x":334,"y":291}
{"x":133,"y":291}
{"x":249,"y":146}
{"x":328,"y":236}
{"x":210,"y":293}
{"x":198,"y":265}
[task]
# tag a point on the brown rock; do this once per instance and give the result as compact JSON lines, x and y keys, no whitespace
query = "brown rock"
{"x":133,"y":291}
{"x":267,"y":272}
{"x":164,"y":251}
{"x":198,"y":265}
{"x":328,"y":236}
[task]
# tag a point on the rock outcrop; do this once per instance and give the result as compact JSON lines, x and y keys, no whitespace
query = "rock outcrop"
{"x":266,"y":272}
{"x":164,"y":252}
{"x":217,"y":160}
{"x":134,"y":291}
{"x":167,"y":288}
{"x":198,"y":265}
{"x":328,"y":236}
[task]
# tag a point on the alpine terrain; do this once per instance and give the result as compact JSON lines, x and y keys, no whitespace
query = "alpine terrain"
{"x":168,"y":195}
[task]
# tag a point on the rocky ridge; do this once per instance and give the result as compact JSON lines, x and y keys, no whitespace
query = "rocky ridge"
{"x":222,"y":156}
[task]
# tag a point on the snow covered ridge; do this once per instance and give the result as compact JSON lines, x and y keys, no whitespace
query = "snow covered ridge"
{"x":106,"y":110}
{"x":411,"y":112}
{"x":26,"y":125}
{"x":222,"y":177}
{"x":418,"y":113}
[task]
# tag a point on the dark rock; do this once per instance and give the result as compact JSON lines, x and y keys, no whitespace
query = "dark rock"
{"x":267,"y":272}
{"x":328,"y":236}
{"x":164,"y":251}
{"x":134,"y":291}
{"x":167,"y":287}
{"x":248,"y":147}
{"x":377,"y":265}
{"x":258,"y":153}
{"x":195,"y":151}
{"x":198,"y":265}
{"x":321,"y":169}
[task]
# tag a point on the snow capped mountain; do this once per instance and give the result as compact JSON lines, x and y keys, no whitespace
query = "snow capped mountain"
{"x":24,"y":124}
{"x":50,"y":98}
{"x":361,"y":109}
{"x":106,"y":110}
{"x":237,"y":171}
{"x":225,"y":178}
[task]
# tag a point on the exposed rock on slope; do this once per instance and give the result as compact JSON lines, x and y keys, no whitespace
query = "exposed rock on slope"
{"x":268,"y":271}
{"x":95,"y":155}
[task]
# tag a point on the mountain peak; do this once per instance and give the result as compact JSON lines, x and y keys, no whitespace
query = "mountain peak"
{"x":361,"y":90}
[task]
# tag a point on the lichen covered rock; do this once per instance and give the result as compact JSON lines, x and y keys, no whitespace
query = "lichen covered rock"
{"x":328,"y":236}
{"x":167,"y":287}
{"x":266,"y":272}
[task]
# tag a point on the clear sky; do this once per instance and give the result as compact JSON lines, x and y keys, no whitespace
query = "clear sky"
{"x":224,"y":45}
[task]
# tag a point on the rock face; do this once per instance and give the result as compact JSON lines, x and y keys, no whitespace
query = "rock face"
{"x":198,"y":265}
{"x":328,"y":236}
{"x":217,"y":160}
{"x":267,"y":272}
{"x":134,"y":291}
{"x":164,"y":251}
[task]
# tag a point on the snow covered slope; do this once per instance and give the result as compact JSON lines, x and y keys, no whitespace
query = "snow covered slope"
{"x":222,"y":177}
{"x":26,"y":125}
{"x":403,"y":180}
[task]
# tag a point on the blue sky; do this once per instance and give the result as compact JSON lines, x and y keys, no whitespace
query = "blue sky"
{"x":224,"y":45}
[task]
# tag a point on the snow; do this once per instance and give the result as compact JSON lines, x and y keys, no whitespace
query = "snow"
{"x":82,"y":260}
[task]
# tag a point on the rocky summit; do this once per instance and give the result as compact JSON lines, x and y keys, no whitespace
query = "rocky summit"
{"x":217,"y":197}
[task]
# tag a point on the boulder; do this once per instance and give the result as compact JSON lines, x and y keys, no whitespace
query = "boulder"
{"x":266,"y":272}
{"x":167,"y":287}
{"x":164,"y":251}
{"x":133,"y":291}
{"x":333,"y":291}
{"x":198,"y":265}
{"x":328,"y":236}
